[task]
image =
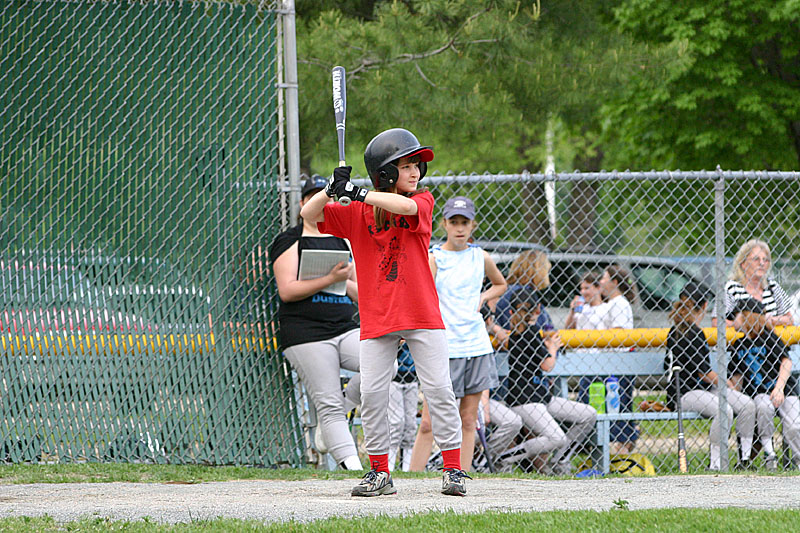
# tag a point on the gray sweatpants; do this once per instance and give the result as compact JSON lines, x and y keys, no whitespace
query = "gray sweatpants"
{"x":505,"y":426}
{"x":789,"y":411}
{"x":707,"y":404}
{"x":549,"y":435}
{"x":582,"y":417}
{"x":377,"y":360}
{"x":317,"y":364}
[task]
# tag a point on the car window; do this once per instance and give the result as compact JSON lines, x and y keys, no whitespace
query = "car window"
{"x":659,"y":285}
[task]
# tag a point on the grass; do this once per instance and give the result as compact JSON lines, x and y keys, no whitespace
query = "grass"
{"x":183,"y":474}
{"x":140,"y":473}
{"x":618,"y":519}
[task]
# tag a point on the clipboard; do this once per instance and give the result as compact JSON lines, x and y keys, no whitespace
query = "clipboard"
{"x":317,"y":263}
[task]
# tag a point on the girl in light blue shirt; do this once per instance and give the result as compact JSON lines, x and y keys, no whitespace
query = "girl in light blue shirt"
{"x":459,"y":269}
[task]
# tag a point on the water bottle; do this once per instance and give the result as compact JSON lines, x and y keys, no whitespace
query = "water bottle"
{"x":597,"y":396}
{"x":612,"y":395}
{"x":579,"y":307}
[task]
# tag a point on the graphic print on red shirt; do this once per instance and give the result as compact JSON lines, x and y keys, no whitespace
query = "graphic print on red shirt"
{"x":395,"y":284}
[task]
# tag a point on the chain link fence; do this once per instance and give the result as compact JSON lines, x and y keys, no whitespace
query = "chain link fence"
{"x":138,"y":146}
{"x":142,"y":178}
{"x":662,"y":230}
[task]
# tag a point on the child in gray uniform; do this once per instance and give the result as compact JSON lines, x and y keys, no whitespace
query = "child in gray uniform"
{"x":403,"y":408}
{"x":761,"y":360}
{"x":687,"y":348}
{"x":317,"y":331}
{"x":529,"y":393}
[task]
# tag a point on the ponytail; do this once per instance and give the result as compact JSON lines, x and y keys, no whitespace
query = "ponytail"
{"x":382,"y":215}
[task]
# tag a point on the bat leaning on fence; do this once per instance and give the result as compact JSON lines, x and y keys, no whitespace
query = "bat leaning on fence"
{"x":676,"y":370}
{"x":482,"y":438}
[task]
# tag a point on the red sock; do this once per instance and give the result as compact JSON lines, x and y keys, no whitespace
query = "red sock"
{"x":379,"y":463}
{"x":451,"y":459}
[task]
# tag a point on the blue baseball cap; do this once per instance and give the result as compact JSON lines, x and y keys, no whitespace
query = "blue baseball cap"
{"x":459,"y":205}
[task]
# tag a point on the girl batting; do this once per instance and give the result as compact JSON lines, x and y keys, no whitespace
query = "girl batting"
{"x":390,"y":230}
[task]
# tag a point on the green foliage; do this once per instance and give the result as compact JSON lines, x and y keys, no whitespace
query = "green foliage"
{"x":728,"y":94}
{"x":621,"y":505}
{"x":478,"y":80}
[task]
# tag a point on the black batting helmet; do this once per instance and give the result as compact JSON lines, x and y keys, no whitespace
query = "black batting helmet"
{"x":386,"y":148}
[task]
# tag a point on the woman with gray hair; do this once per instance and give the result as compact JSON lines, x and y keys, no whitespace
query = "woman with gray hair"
{"x":750,"y":278}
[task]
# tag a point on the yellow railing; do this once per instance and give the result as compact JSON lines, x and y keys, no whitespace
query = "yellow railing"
{"x":652,"y":337}
{"x":121,"y":344}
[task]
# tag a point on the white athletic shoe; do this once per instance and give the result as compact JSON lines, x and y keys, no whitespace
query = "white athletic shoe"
{"x":562,"y":468}
{"x":771,"y":462}
{"x":453,"y":482}
{"x":374,"y":483}
{"x":352,"y":463}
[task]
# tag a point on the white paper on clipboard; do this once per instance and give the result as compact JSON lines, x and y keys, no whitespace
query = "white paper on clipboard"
{"x":317,"y":263}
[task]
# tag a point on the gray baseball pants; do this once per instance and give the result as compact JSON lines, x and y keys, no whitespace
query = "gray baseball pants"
{"x":582,"y":417}
{"x":377,"y":363}
{"x":548,"y":434}
{"x":505,"y":426}
{"x":402,"y":412}
{"x":789,"y":411}
{"x":317,"y":364}
{"x":707,"y":404}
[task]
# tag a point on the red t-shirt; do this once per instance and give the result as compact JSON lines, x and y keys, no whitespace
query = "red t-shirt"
{"x":395,"y":285}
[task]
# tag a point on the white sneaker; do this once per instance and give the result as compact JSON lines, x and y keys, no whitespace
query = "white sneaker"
{"x":352,"y":463}
{"x":374,"y":483}
{"x":453,"y":483}
{"x":563,"y":468}
{"x":771,"y":462}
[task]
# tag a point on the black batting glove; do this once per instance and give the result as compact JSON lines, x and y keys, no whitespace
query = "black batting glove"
{"x":348,"y":190}
{"x":342,"y":173}
{"x":329,"y":188}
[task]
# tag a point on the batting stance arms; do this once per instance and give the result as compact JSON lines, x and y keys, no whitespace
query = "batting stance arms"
{"x":395,"y":203}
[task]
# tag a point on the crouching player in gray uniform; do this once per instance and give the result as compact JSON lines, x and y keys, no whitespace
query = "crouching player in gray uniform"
{"x":762,"y":361}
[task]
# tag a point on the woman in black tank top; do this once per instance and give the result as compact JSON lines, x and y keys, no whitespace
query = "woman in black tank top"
{"x":317,"y":331}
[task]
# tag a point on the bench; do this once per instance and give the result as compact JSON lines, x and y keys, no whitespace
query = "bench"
{"x":650,"y":362}
{"x":645,"y":363}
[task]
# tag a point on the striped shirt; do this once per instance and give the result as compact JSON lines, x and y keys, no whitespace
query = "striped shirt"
{"x":776,"y":301}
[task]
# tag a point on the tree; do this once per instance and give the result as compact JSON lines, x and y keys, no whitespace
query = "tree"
{"x":731,"y":97}
{"x":477,"y":79}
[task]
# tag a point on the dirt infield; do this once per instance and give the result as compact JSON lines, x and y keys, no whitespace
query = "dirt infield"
{"x":314,"y":499}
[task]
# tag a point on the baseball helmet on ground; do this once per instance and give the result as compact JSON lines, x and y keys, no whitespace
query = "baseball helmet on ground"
{"x":386,"y":148}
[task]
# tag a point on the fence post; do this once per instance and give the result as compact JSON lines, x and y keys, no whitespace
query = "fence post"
{"x":719,"y":292}
{"x":292,"y":114}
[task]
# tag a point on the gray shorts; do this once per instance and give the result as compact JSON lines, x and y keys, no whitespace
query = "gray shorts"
{"x":471,"y":375}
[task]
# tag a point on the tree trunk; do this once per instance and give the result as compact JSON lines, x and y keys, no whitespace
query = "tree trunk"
{"x":580,"y":234}
{"x":536,"y":223}
{"x":581,"y":230}
{"x":795,"y":128}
